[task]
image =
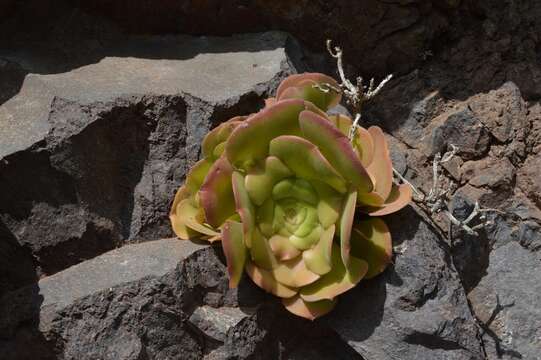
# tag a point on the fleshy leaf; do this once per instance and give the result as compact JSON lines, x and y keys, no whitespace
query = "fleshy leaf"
{"x":218,"y":135}
{"x":266,"y":281}
{"x":371,"y":199}
{"x":346,"y":221}
{"x":178,"y":224}
{"x":270,"y":101}
{"x":371,"y":241}
{"x":336,"y":148}
{"x":318,"y":259}
{"x":381,"y":167}
{"x":196,"y":175}
{"x":303,"y":240}
{"x":399,"y":197}
{"x":295,"y":188}
{"x":329,"y":205}
{"x":260,"y":181}
{"x":282,"y":248}
{"x":216,"y":194}
{"x":234,"y":250}
{"x":265,"y":217}
{"x":293,"y":273}
{"x":305,"y":160}
{"x":336,"y":281}
{"x":342,"y":122}
{"x":364,"y":145}
{"x":308,"y":310}
{"x":303,"y":84}
{"x":249,"y":142}
{"x":184,"y":219}
{"x":261,"y":252}
{"x":244,"y":206}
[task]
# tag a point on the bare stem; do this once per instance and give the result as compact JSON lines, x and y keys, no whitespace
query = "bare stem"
{"x":437,"y":199}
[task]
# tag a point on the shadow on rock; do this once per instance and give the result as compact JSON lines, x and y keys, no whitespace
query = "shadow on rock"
{"x":20,"y":337}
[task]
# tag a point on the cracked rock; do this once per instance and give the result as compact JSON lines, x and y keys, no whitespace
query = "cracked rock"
{"x":92,"y":153}
{"x":417,"y":309}
{"x":215,"y":323}
{"x":513,"y":280}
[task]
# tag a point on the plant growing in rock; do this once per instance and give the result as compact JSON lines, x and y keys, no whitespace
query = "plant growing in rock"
{"x":294,"y":200}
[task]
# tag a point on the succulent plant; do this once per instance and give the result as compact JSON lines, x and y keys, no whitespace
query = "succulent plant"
{"x":295,"y":203}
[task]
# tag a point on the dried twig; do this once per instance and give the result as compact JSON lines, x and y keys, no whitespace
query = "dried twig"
{"x":437,"y":199}
{"x":356,"y":95}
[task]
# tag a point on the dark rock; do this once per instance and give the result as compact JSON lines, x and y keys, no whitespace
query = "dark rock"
{"x":124,"y":304}
{"x":417,"y":309}
{"x":92,"y":156}
{"x":460,"y":128}
{"x":506,"y":301}
{"x":530,"y":236}
{"x":488,"y":172}
{"x":273,"y":333}
{"x":502,"y":111}
{"x":151,"y":301}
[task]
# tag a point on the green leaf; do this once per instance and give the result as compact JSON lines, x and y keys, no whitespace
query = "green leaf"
{"x":293,"y":273}
{"x":329,"y":205}
{"x":265,"y":218}
{"x":196,"y":175}
{"x":234,"y":250}
{"x":260,"y":181}
{"x":381,"y":167}
{"x":186,"y":219}
{"x":301,"y":86}
{"x":336,"y":281}
{"x":399,"y":197}
{"x":346,"y":221}
{"x":305,"y":160}
{"x":318,"y":259}
{"x":364,"y":145}
{"x":371,"y":241}
{"x":266,"y":281}
{"x":303,"y":240}
{"x":261,"y":252}
{"x":336,"y":148}
{"x":219,"y":135}
{"x":244,"y":206}
{"x":249,"y":142}
{"x":282,"y":248}
{"x":295,"y":188}
{"x":216,"y":194}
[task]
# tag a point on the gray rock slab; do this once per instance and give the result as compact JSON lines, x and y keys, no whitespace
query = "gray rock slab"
{"x":507,"y":301}
{"x":128,"y":264}
{"x":209,"y":68}
{"x":93,"y":149}
{"x":125,"y":304}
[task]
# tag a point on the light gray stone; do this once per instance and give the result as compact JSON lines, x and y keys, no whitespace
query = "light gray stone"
{"x":216,"y":322}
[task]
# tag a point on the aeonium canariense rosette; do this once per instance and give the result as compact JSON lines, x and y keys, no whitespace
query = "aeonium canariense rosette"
{"x":294,"y":201}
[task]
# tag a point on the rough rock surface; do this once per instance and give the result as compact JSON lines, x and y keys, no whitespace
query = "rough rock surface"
{"x":466,"y":72}
{"x":144,"y":301}
{"x":415,"y":310}
{"x":91,"y":156}
{"x":507,"y":300}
